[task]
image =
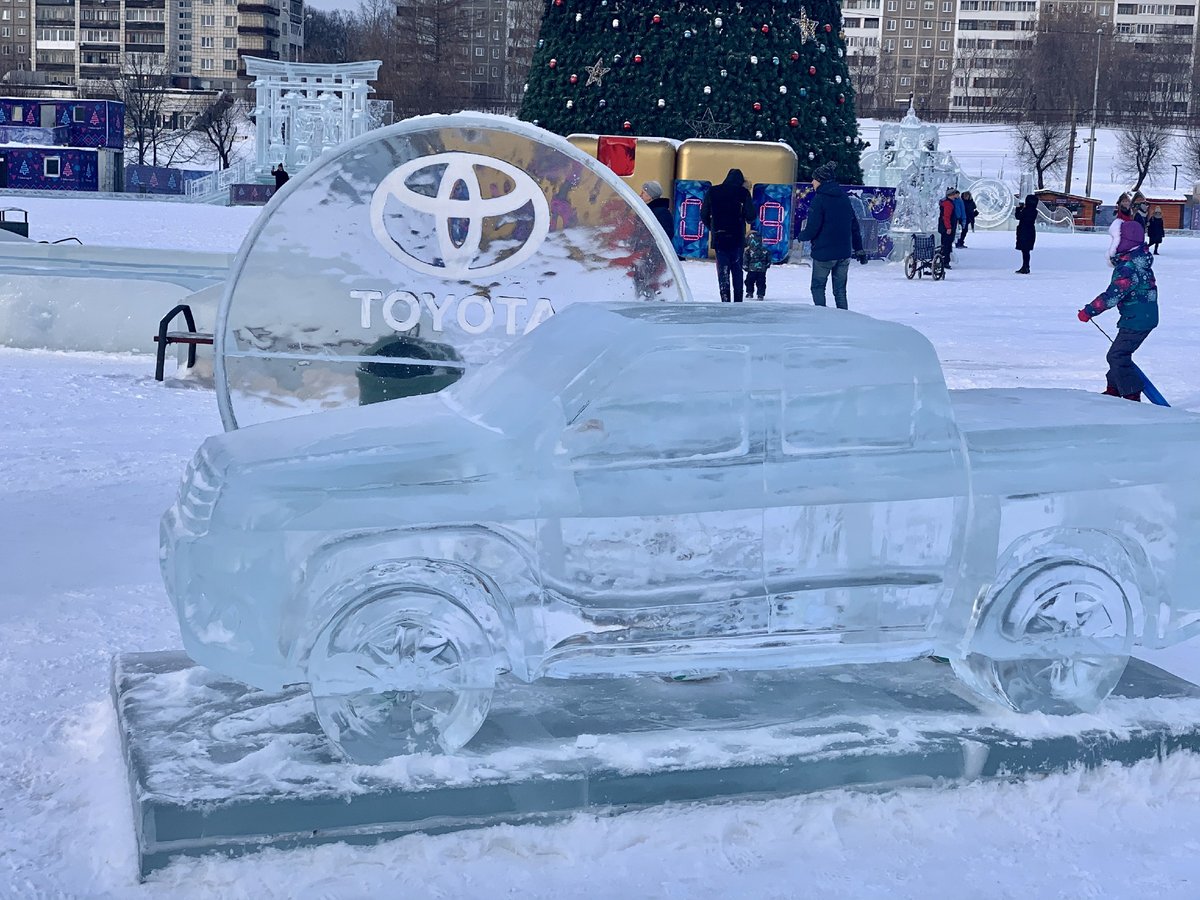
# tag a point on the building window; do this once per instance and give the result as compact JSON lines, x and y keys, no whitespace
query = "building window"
{"x":208,"y":21}
{"x":943,"y":46}
{"x":927,"y":44}
{"x":910,"y":23}
{"x":52,"y":166}
{"x":479,"y":51}
{"x":229,"y":43}
{"x":206,"y":42}
{"x":206,"y":64}
{"x":495,"y":53}
{"x":230,"y":65}
{"x":942,"y":66}
{"x":947,"y":25}
{"x":231,"y":21}
{"x":907,"y":44}
{"x":905,"y":81}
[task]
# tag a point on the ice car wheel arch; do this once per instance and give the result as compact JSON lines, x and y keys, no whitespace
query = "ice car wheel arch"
{"x":1055,"y":637}
{"x":401,"y":670}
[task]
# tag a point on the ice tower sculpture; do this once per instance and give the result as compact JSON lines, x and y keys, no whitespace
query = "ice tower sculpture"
{"x":909,"y":160}
{"x":650,"y":489}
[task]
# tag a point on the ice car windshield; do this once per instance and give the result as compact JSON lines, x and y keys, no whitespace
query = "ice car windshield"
{"x":529,"y":377}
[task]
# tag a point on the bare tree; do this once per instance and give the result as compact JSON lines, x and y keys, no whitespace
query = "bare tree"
{"x":153,"y":113}
{"x":863,"y":63}
{"x":1042,"y":145}
{"x":220,"y":127}
{"x":328,"y":36}
{"x":1141,"y":146}
{"x":1189,"y":150}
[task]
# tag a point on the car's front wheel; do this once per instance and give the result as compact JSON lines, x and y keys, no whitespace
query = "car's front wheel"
{"x":1055,"y":639}
{"x":399,"y":673}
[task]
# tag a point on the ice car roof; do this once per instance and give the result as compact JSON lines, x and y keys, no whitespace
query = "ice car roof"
{"x":746,"y":319}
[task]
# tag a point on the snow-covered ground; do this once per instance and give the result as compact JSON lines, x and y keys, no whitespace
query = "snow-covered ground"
{"x":90,"y":453}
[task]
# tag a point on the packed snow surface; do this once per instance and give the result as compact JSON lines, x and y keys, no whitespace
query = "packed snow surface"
{"x":91,"y":449}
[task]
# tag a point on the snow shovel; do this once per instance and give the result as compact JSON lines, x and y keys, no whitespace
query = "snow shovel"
{"x":1148,"y":388}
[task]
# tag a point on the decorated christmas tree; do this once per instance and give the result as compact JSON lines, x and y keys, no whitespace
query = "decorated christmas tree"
{"x":769,"y":70}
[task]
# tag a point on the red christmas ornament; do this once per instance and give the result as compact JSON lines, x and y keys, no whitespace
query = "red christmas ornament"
{"x":757,"y":106}
{"x":553,"y":63}
{"x":795,"y":55}
{"x":828,"y":28}
{"x":793,"y":121}
{"x":637,"y":57}
{"x":558,"y":2}
{"x":841,"y":98}
{"x":627,"y":125}
{"x":656,"y":19}
{"x":812,"y":70}
{"x":766,"y":29}
{"x":574,"y":79}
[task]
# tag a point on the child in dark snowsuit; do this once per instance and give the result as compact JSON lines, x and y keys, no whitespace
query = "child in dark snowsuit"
{"x":1134,"y":292}
{"x":756,"y":260}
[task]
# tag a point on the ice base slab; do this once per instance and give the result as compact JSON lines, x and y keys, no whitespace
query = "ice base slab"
{"x":216,"y":766}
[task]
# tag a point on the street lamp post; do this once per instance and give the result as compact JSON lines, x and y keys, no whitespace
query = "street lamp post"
{"x":1087,"y":191}
{"x":1176,"y":166}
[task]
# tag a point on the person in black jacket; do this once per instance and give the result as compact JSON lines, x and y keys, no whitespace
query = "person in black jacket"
{"x":972,"y":211}
{"x":281,"y":176}
{"x":833,"y":229}
{"x":726,"y":211}
{"x":652,"y":193}
{"x":1026,"y":230}
{"x":1155,"y":229}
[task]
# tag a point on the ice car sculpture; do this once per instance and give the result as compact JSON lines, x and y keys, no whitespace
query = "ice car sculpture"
{"x":653,"y":489}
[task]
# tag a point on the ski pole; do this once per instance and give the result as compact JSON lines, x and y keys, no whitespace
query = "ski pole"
{"x":1152,"y":393}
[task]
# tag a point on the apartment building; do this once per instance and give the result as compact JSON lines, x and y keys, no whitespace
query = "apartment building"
{"x":898,"y":49}
{"x":16,"y":35}
{"x":216,"y":34}
{"x":200,"y":42}
{"x":85,"y":40}
{"x":483,"y":73}
{"x":952,"y":55}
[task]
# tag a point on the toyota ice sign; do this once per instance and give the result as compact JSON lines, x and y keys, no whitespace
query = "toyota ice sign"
{"x":400,"y":260}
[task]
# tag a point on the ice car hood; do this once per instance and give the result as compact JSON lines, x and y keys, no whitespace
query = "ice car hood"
{"x":413,"y":441}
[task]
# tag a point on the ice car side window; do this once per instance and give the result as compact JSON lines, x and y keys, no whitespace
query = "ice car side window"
{"x":667,"y":405}
{"x":843,"y":400}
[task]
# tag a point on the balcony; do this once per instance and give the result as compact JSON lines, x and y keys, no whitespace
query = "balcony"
{"x":264,"y":30}
{"x":145,"y":26}
{"x":257,"y":51}
{"x":146,"y":48}
{"x":264,"y":9}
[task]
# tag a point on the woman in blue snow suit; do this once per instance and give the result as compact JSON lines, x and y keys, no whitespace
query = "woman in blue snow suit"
{"x":1133,"y":290}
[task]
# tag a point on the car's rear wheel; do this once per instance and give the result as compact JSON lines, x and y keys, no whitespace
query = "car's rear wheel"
{"x":1055,"y":639}
{"x":399,"y":673}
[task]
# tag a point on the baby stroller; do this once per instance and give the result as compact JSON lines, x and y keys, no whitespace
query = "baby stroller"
{"x":924,"y":256}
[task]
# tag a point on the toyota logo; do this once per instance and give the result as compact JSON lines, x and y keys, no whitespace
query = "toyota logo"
{"x":430,"y":212}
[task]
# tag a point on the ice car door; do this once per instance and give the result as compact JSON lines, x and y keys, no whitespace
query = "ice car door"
{"x":867,"y":490}
{"x":666,"y":456}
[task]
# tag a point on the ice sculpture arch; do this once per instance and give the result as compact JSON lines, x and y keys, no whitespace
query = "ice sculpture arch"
{"x":407,"y":256}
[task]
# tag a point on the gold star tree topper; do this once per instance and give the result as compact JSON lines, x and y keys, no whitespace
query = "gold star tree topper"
{"x":596,"y":73}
